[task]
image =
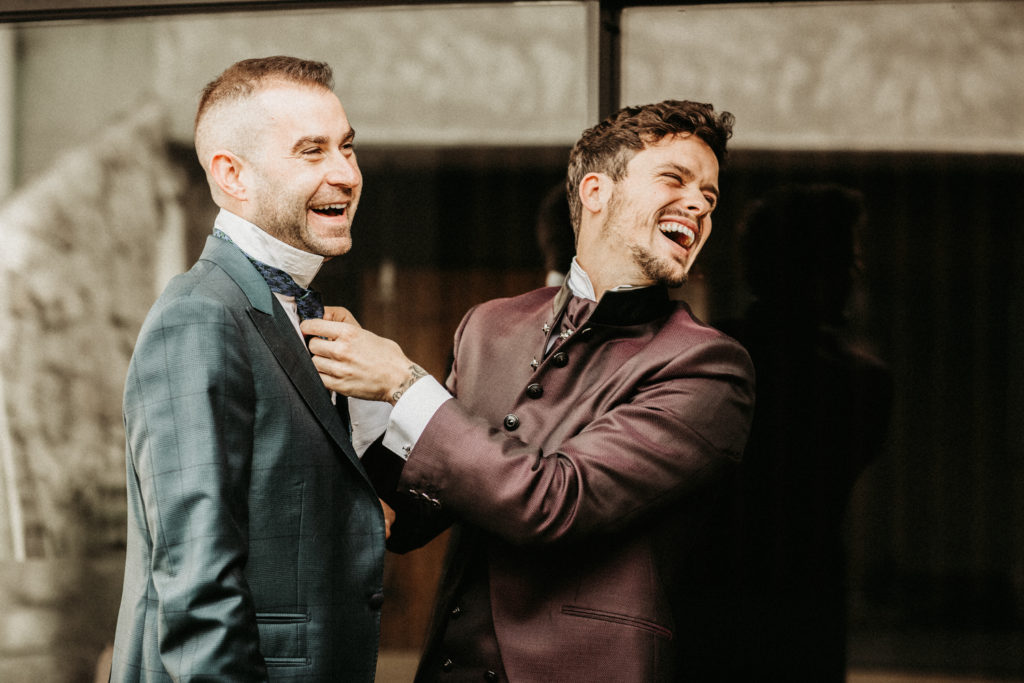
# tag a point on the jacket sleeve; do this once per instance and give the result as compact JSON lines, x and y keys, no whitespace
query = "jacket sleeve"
{"x":681,"y":424}
{"x":417,"y":521}
{"x":418,"y":517}
{"x":189,"y":406}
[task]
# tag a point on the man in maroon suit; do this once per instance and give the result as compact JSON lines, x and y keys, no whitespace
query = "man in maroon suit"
{"x":584,"y":435}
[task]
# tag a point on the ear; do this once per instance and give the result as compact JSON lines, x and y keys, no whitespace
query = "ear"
{"x":226,"y":170}
{"x":595,"y":191}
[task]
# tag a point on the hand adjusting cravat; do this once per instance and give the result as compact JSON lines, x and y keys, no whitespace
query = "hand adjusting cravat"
{"x":306,"y":300}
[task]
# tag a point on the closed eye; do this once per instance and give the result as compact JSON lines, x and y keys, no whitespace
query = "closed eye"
{"x":309,"y":145}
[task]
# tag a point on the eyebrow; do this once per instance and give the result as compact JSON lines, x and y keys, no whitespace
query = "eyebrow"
{"x":320,"y":140}
{"x":689,"y":176}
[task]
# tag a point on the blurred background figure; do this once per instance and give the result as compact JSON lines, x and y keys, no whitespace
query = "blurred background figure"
{"x":555,"y":236}
{"x":821,"y":415}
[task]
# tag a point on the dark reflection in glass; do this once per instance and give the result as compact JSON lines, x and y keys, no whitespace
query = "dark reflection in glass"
{"x":821,"y":416}
{"x":933,"y":535}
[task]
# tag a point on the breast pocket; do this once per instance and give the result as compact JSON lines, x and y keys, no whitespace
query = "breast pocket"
{"x":619,"y":619}
{"x":283,"y":638}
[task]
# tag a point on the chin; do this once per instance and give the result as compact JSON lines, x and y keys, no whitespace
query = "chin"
{"x":674,"y":282}
{"x":672,"y":274}
{"x":329,"y":246}
{"x":336,"y":249}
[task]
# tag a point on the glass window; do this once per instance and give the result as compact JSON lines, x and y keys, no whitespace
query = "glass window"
{"x":491,"y":74}
{"x":917,"y":107}
{"x":840,"y":75}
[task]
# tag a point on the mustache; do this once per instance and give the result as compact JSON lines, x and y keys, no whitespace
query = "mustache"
{"x":678,"y":213}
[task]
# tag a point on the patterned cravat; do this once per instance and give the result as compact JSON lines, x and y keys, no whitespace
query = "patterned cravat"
{"x":576,"y":313}
{"x":577,"y":310}
{"x":308,"y":303}
{"x":307,"y":300}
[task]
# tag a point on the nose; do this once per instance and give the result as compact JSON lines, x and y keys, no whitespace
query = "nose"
{"x":697,"y":203}
{"x":344,"y":171}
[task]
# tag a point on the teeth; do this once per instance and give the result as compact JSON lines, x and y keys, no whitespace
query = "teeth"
{"x":329,"y":207}
{"x":689,"y":237}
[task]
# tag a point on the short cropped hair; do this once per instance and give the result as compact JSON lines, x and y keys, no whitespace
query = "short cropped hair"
{"x":243,"y":79}
{"x":246,"y":78}
{"x":609,"y":146}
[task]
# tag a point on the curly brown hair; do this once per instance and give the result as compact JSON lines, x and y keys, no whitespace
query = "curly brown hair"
{"x":610,"y":145}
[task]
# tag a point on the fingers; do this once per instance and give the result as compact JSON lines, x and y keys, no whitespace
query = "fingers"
{"x":320,"y":347}
{"x":340,"y":314}
{"x":356,"y":362}
{"x":389,"y":518}
{"x":343,"y":371}
{"x":327,"y":329}
{"x":330,"y":372}
{"x":342,"y":347}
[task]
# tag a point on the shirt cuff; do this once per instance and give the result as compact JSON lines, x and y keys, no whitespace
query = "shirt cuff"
{"x":369,"y":419}
{"x":411,"y":414}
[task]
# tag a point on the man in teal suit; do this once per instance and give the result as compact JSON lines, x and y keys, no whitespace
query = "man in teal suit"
{"x":255,"y":541}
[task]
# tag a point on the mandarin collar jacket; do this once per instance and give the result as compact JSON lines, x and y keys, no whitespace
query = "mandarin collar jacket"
{"x":579,"y":477}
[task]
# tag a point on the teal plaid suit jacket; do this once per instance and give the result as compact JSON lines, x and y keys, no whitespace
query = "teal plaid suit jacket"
{"x":255,"y":541}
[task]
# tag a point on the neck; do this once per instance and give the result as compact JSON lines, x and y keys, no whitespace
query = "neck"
{"x":301,"y":265}
{"x":607,"y":272}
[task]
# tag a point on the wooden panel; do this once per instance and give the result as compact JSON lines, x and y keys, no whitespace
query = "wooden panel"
{"x":420,"y":309}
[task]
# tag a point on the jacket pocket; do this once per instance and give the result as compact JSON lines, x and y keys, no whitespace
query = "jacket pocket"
{"x":283,"y":638}
{"x":279,"y":662}
{"x":617,"y":618}
{"x":281,"y":618}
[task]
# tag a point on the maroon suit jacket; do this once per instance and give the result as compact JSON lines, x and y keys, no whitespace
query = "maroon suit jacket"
{"x":586,"y":478}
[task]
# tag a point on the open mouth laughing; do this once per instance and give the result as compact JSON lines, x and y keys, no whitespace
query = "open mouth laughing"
{"x":330,"y":210}
{"x":683,"y":234}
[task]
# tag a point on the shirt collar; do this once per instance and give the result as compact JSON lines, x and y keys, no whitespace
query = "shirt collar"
{"x":262,"y":246}
{"x":579,"y":282}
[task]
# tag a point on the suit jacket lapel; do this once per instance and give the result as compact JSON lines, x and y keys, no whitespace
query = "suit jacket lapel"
{"x":279,"y":334}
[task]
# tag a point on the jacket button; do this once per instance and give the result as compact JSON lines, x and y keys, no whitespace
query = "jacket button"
{"x":535,"y":390}
{"x":376,"y":600}
{"x":456,"y":612}
{"x":585,"y":333}
{"x":490,"y":677}
{"x":447,"y":665}
{"x":511,"y":422}
{"x":560,"y":359}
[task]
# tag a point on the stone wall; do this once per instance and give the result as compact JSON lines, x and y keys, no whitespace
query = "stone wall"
{"x":82,"y":255}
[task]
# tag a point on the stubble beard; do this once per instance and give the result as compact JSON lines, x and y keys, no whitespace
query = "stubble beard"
{"x":656,"y":269}
{"x":652,"y":267}
{"x":284,"y":218}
